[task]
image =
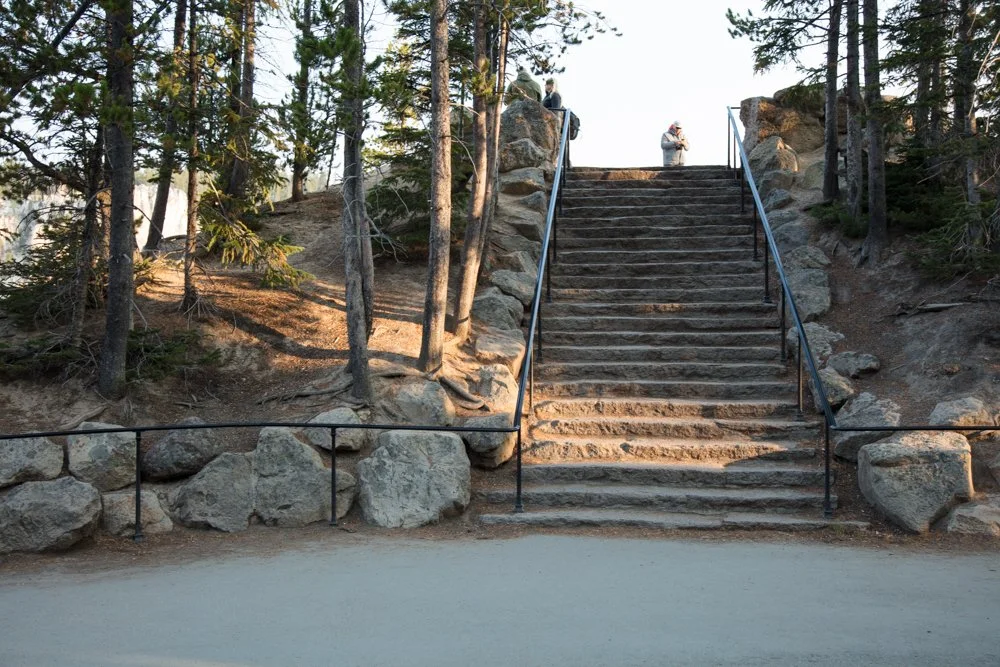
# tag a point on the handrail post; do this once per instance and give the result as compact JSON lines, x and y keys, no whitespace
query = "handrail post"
{"x":767,"y":274}
{"x":548,"y":271}
{"x":729,"y":142}
{"x":518,"y":504}
{"x":799,"y":387}
{"x":137,"y":536}
{"x":539,"y":335}
{"x":755,"y":253}
{"x":784,"y":351}
{"x":743,"y":207}
{"x":827,"y":503}
{"x":333,"y":475}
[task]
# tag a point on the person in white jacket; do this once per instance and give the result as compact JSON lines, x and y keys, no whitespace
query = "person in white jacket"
{"x":674,"y":143}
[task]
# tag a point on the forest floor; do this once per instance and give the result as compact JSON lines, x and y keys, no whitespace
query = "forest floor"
{"x":273,"y":343}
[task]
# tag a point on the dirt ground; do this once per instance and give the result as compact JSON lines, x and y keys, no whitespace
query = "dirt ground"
{"x":274,"y":343}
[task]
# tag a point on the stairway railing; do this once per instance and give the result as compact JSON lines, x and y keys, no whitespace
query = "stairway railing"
{"x":741,"y":170}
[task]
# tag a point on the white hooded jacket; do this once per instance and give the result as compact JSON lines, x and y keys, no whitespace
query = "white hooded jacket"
{"x":674,"y":143}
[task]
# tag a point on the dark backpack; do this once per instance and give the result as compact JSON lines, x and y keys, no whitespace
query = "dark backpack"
{"x":574,"y":125}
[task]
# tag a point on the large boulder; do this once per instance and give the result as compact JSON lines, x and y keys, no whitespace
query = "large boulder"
{"x":763,"y":117}
{"x":220,"y":496}
{"x":29,"y":460}
{"x":772,"y":154}
{"x":968,"y":411}
{"x":977,"y":518}
{"x":536,"y":201}
{"x":527,"y":119}
{"x":496,"y":309}
{"x":106,"y":460}
{"x":777,"y":179}
{"x":863,"y":410}
{"x":522,"y":153}
{"x":498,"y":387}
{"x":414,"y":478}
{"x":521,"y":286}
{"x":820,"y":337}
{"x":811,"y":178}
{"x":811,"y":288}
{"x":501,"y":347}
{"x":791,"y":235}
{"x":838,"y":389}
{"x":119,"y":514}
{"x":292,"y":486}
{"x":914,"y":478}
{"x":520,"y":262}
{"x":48,"y":516}
{"x":805,"y":257}
{"x":776,"y":199}
{"x":522,"y":181}
{"x":854,"y":364}
{"x":348,"y":439}
{"x":422,"y":402}
{"x":181,"y":453}
{"x":489,"y":450}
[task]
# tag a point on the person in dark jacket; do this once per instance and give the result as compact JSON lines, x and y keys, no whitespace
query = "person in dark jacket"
{"x":552,"y":100}
{"x":523,"y":88}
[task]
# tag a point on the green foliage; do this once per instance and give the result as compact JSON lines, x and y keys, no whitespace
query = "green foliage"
{"x":45,"y":356}
{"x":835,"y":216}
{"x":237,"y":244}
{"x":807,"y":98}
{"x":153,"y":355}
{"x":968,"y":243}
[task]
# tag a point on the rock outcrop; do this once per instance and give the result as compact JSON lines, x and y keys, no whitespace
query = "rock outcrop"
{"x":48,"y":516}
{"x":29,"y":460}
{"x":181,"y":453}
{"x":106,"y":460}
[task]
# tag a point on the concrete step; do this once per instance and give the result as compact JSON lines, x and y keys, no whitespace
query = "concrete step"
{"x":589,"y":338}
{"x":632,"y":370}
{"x":678,"y":267}
{"x":652,"y":353}
{"x":650,"y":175}
{"x":759,"y":389}
{"x":649,"y":407}
{"x":702,"y":243}
{"x":724,"y":475}
{"x":674,"y":219}
{"x":651,"y":255}
{"x":693,"y":320}
{"x":667,"y":498}
{"x":697,"y":428}
{"x":612,"y":308}
{"x":664,"y":450}
{"x":649,"y":197}
{"x":662,"y":294}
{"x":687,"y":282}
{"x":658,"y":520}
{"x":607,"y":233}
{"x":624,"y":210}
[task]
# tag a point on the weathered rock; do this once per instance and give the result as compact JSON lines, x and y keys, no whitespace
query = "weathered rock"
{"x":414,"y":478}
{"x":977,"y":518}
{"x":181,"y":453}
{"x":913,"y":479}
{"x":498,"y":387}
{"x":521,"y":286}
{"x":791,"y":235}
{"x":220,"y":496}
{"x":820,"y":337}
{"x":995,"y":468}
{"x":519,"y":262}
{"x":496,"y":309}
{"x":838,"y":389}
{"x":29,"y":460}
{"x":48,"y":516}
{"x":522,"y":181}
{"x":348,"y":439}
{"x":777,"y":179}
{"x":777,"y":198}
{"x":527,"y":119}
{"x":106,"y":460}
{"x":536,"y":201}
{"x":520,"y":154}
{"x":811,"y":288}
{"x":968,"y":411}
{"x":863,"y":410}
{"x":811,"y":178}
{"x":422,"y":402}
{"x":501,"y":347}
{"x":807,"y":99}
{"x":292,"y":486}
{"x":119,"y":514}
{"x":505,"y":239}
{"x":763,"y":117}
{"x":805,"y":257}
{"x":778,"y":219}
{"x":772,"y":154}
{"x":489,"y":450}
{"x":854,"y":364}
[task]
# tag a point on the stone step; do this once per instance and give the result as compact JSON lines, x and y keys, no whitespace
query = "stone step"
{"x":647,"y":174}
{"x":645,"y":256}
{"x":671,"y":268}
{"x":697,"y":428}
{"x":647,"y":197}
{"x":673,"y":389}
{"x":703,"y":243}
{"x":624,"y":230}
{"x":669,"y":498}
{"x":653,"y":353}
{"x":674,"y":219}
{"x":708,"y":209}
{"x":589,"y":338}
{"x":636,"y":370}
{"x":653,"y":293}
{"x":748,"y":279}
{"x":724,"y":475}
{"x":665,"y":450}
{"x":632,"y":518}
{"x":611,"y":308}
{"x":695,"y":320}
{"x":650,"y":407}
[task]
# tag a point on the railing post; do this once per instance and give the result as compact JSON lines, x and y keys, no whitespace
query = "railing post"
{"x":755,"y":254}
{"x":784,"y":351}
{"x":539,"y":334}
{"x":518,"y":504}
{"x":137,"y":536}
{"x":827,"y":504}
{"x":548,"y":271}
{"x":729,"y":142}
{"x":799,"y":387}
{"x":767,"y":272}
{"x":743,"y":207}
{"x":333,"y":475}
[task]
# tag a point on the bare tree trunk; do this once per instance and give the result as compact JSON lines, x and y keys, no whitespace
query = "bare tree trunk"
{"x":472,"y":256}
{"x":965,"y":92}
{"x":831,"y":180}
{"x":353,"y":216}
{"x":85,"y":254}
{"x":436,"y":299}
{"x":241,"y":162}
{"x":300,"y":108}
{"x":190,"y":298}
{"x":493,"y":140}
{"x":169,"y":156}
{"x":938,"y":95}
{"x":878,"y":227}
{"x":854,"y":130}
{"x":111,"y":370}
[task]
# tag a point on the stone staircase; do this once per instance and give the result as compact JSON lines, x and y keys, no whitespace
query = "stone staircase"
{"x":662,"y":400}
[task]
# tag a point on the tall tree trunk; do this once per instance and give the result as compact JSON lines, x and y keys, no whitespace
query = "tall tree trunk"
{"x":831,"y":180}
{"x":244,"y":140}
{"x":436,"y":298}
{"x":353,"y":215}
{"x":965,"y":93}
{"x":878,"y":226}
{"x":190,"y":298}
{"x":854,"y":130}
{"x":938,"y":94}
{"x":85,"y":254}
{"x":111,"y":370}
{"x":300,"y":107}
{"x":169,"y":154}
{"x":471,"y":254}
{"x":493,"y":140}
